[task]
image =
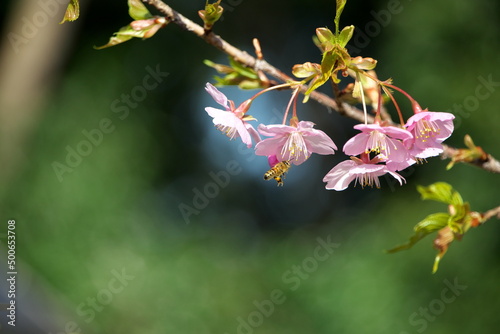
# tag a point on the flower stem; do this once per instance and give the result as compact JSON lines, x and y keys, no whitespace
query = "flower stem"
{"x":293,"y":100}
{"x":270,"y":89}
{"x":388,"y":92}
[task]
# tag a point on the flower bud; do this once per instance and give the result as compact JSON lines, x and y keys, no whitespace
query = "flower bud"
{"x":210,"y":14}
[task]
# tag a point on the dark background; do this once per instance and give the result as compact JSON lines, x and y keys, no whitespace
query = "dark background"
{"x":119,"y":208}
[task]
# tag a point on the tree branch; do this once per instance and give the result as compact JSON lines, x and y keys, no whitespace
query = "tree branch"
{"x":491,"y":164}
{"x":247,"y":60}
{"x":491,"y":213}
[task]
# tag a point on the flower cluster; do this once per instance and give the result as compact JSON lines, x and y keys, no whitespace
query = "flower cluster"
{"x":377,"y":150}
{"x":394,"y":149}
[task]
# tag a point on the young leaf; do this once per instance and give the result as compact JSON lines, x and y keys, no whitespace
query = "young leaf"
{"x":123,"y":35}
{"x":326,"y":39}
{"x":340,"y":8}
{"x":413,"y":240}
{"x":140,"y":29}
{"x":211,"y":14}
{"x":441,"y":192}
{"x":345,"y":36}
{"x":428,"y":225}
{"x":306,"y":70}
{"x":243,"y":70}
{"x":72,"y":11}
{"x":138,"y":11}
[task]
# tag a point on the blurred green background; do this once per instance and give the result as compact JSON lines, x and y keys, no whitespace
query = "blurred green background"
{"x":104,"y":247}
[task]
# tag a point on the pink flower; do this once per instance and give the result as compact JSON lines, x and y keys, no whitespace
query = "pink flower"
{"x":294,"y":144}
{"x":272,"y":161}
{"x":429,"y":130}
{"x":364,"y":171}
{"x":386,"y":140}
{"x":232,"y":121}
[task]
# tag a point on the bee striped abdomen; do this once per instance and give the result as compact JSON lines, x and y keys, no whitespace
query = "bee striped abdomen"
{"x":277,"y":172}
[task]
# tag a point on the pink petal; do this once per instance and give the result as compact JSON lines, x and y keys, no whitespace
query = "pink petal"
{"x":339,"y":177}
{"x":243,"y":132}
{"x":253,"y":133}
{"x":275,"y":130}
{"x":305,"y":125}
{"x":320,"y":143}
{"x":398,"y":152}
{"x":446,"y":129}
{"x":214,"y":112}
{"x":222,"y":117}
{"x":397,"y":177}
{"x":391,"y":131}
{"x":270,"y":146}
{"x":357,"y":144}
{"x":272,"y":160}
{"x":429,"y":152}
{"x":217,"y":95}
{"x":396,"y":166}
{"x":367,"y":168}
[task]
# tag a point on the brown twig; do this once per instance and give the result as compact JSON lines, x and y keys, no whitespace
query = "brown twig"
{"x":491,"y":213}
{"x":491,"y":164}
{"x":247,"y":60}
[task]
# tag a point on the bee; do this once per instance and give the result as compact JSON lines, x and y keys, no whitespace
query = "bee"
{"x":278,"y":172}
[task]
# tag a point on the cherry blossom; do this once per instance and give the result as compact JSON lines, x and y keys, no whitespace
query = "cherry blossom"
{"x":364,"y":171}
{"x":386,"y":140}
{"x":294,"y":144}
{"x":232,"y":121}
{"x":429,"y":129}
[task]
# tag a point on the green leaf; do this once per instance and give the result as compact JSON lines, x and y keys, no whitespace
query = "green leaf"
{"x":413,"y":240}
{"x":345,"y":36}
{"x":138,"y":11}
{"x":219,"y":67}
{"x":441,"y":192}
{"x":433,"y":222}
{"x":428,"y":225}
{"x":318,"y":82}
{"x":236,"y":75}
{"x":72,"y":11}
{"x":340,"y":9}
{"x":123,"y":35}
{"x":456,"y":198}
{"x":250,"y":84}
{"x":326,"y":38}
{"x":327,"y":63}
{"x":243,"y":70}
{"x":306,"y":70}
{"x":140,"y":29}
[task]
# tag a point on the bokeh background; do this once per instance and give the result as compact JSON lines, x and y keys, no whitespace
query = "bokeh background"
{"x":104,"y":246}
